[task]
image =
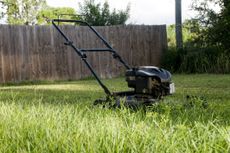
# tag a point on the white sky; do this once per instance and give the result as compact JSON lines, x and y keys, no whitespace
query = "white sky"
{"x":142,"y":11}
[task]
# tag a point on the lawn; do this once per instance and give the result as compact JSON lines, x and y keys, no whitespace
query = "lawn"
{"x":60,"y":117}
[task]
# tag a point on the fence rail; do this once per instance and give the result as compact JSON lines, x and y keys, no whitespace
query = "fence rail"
{"x":38,"y":52}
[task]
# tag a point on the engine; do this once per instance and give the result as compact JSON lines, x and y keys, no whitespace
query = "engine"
{"x":150,"y":81}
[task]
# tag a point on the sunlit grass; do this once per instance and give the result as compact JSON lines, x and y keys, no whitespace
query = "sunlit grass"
{"x":60,"y":117}
{"x":70,"y":87}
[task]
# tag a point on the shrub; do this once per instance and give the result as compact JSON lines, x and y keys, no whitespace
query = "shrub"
{"x":197,"y":60}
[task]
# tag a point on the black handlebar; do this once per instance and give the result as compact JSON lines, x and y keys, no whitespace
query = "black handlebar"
{"x":108,"y":49}
{"x":81,"y":52}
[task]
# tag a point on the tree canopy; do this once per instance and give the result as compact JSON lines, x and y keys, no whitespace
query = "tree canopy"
{"x":23,"y":11}
{"x":214,"y":24}
{"x":98,"y":14}
{"x":54,"y":13}
{"x":31,"y":12}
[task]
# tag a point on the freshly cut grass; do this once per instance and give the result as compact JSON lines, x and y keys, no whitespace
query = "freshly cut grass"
{"x":60,"y":117}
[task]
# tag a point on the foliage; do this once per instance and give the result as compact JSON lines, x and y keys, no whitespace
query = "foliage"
{"x":3,"y":6}
{"x":189,"y":29}
{"x":98,"y":15}
{"x":23,"y":11}
{"x":215,"y":24}
{"x":60,"y":118}
{"x":207,"y":60}
{"x":206,"y":43}
{"x":197,"y":60}
{"x":55,"y":13}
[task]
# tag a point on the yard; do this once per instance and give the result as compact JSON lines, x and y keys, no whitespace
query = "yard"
{"x":60,"y":117}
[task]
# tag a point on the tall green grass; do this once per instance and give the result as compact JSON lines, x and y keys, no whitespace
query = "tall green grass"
{"x":197,"y":60}
{"x":60,"y":117}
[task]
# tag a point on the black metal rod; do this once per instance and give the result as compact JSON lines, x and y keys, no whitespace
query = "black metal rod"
{"x":98,"y":50}
{"x":85,"y":23}
{"x":83,"y":57}
{"x":115,"y":54}
{"x":106,"y":90}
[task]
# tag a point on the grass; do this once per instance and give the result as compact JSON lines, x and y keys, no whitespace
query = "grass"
{"x":59,"y":117}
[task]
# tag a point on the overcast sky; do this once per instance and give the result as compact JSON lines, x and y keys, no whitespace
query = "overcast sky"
{"x":142,"y":11}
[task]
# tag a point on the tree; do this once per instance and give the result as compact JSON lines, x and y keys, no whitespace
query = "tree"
{"x":23,"y":11}
{"x":3,"y":6}
{"x":98,"y":15}
{"x":215,"y":25}
{"x":189,"y":29}
{"x":54,"y":13}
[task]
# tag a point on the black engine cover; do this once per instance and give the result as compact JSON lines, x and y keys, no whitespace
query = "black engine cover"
{"x":149,"y":80}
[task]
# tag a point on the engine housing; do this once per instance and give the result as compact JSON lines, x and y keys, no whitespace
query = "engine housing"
{"x":149,"y":80}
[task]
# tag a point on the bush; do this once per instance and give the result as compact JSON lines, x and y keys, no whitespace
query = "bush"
{"x":197,"y":60}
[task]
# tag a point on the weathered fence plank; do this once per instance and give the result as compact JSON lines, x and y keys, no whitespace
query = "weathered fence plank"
{"x":38,"y":52}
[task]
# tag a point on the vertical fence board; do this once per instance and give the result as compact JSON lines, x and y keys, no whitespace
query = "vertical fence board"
{"x":38,"y":52}
{"x":1,"y":55}
{"x":7,"y":47}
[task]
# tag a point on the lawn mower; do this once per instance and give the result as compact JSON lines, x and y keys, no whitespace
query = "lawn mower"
{"x":149,"y":83}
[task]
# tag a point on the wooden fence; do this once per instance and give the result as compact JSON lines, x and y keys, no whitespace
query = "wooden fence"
{"x":38,"y":52}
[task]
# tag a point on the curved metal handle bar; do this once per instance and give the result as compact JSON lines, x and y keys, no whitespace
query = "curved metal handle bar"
{"x":82,"y":55}
{"x":85,"y":23}
{"x":81,"y":51}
